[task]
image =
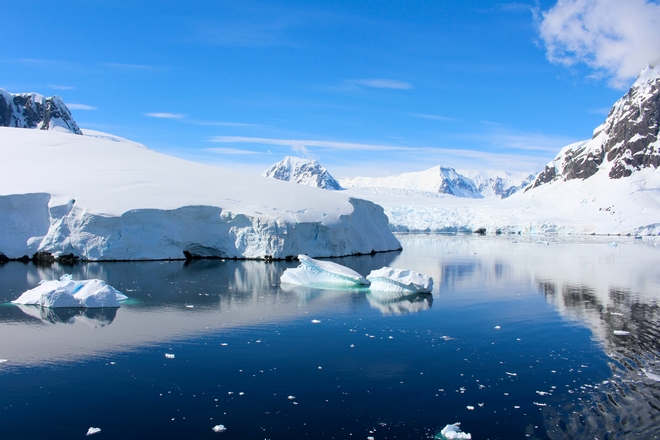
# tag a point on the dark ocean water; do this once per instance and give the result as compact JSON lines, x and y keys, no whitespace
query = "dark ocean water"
{"x":517,"y":341}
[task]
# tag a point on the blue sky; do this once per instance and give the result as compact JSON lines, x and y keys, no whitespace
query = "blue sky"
{"x":365,"y":87}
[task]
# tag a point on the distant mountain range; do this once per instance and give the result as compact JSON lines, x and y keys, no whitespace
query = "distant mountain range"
{"x":32,"y":110}
{"x":436,"y":180}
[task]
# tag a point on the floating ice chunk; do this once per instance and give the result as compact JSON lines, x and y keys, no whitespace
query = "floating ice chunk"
{"x":169,"y":355}
{"x":93,"y":430}
{"x":315,"y":321}
{"x":621,"y":333}
{"x":451,"y":432}
{"x":388,"y":279}
{"x":291,"y":397}
{"x":68,"y":293}
{"x":470,"y":408}
{"x":219,"y":428}
{"x":497,"y":327}
{"x":311,"y":272}
{"x":2,"y":361}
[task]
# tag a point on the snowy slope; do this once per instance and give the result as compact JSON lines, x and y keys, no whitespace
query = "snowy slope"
{"x":32,"y":110}
{"x":609,"y":184}
{"x":101,"y":197}
{"x":439,"y":180}
{"x":303,"y":171}
{"x":501,"y":184}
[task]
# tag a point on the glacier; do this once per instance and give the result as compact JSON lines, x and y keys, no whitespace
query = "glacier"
{"x":100,"y":197}
{"x":312,"y":272}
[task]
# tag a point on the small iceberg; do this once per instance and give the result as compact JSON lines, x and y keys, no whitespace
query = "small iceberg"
{"x":66,"y":292}
{"x":451,"y":432}
{"x":389,"y":279}
{"x":315,"y":272}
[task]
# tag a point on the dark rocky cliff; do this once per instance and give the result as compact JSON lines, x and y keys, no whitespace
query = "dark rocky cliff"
{"x":31,"y":110}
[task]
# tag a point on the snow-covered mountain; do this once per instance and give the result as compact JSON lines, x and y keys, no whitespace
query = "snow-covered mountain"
{"x":445,"y":180}
{"x":500,"y":184}
{"x":32,"y":110}
{"x":303,"y":171}
{"x":609,"y":184}
{"x":624,"y":144}
{"x":101,"y":197}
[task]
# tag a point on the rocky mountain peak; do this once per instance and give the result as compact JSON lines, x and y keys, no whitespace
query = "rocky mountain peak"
{"x":303,"y":171}
{"x":626,"y":142}
{"x":32,"y":110}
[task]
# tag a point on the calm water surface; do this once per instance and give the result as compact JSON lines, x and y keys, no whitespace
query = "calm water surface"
{"x":521,"y":339}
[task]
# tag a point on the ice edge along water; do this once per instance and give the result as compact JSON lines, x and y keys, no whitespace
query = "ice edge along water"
{"x":100,"y":197}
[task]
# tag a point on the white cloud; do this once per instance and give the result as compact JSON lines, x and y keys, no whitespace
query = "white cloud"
{"x":74,"y":106}
{"x":300,"y":145}
{"x":60,"y":87}
{"x":433,"y":117}
{"x":382,"y":83}
{"x":617,"y":38}
{"x":163,"y":115}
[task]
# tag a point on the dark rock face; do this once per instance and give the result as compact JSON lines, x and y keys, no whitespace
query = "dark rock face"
{"x":31,"y":110}
{"x":627,"y":139}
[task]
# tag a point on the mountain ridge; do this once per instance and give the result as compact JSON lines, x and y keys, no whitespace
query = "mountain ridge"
{"x":35,"y":111}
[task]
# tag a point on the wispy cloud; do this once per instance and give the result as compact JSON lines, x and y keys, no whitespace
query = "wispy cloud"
{"x":128,"y":66}
{"x":382,"y":83}
{"x":234,"y":151}
{"x":302,"y":144}
{"x":615,"y":38}
{"x":74,"y":106}
{"x":221,"y":123}
{"x":164,"y":115}
{"x":433,"y":117}
{"x":59,"y":87}
{"x":500,"y":137}
{"x":599,"y":111}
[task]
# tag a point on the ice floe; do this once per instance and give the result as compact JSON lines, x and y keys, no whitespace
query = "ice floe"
{"x":311,"y":272}
{"x":66,"y":292}
{"x":93,"y":430}
{"x":451,"y":432}
{"x":219,"y":428}
{"x":388,"y":279}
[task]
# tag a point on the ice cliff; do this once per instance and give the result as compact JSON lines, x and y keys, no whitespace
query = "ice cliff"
{"x":100,"y":197}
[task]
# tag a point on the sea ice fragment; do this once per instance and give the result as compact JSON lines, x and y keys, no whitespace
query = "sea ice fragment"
{"x":311,"y":272}
{"x":388,"y":279}
{"x":66,"y":292}
{"x":169,"y":355}
{"x":451,"y":432}
{"x":93,"y":430}
{"x":219,"y":428}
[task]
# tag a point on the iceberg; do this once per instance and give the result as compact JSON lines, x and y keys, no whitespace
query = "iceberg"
{"x":451,"y":432}
{"x":315,"y":272}
{"x":388,"y":279}
{"x":66,"y":292}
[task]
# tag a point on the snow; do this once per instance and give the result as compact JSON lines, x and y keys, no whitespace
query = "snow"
{"x":316,"y":272}
{"x":93,"y":430}
{"x":66,"y":292}
{"x":101,"y":197}
{"x":388,"y":279}
{"x":451,"y":432}
{"x":597,"y":205}
{"x":304,"y":172}
{"x":219,"y":428}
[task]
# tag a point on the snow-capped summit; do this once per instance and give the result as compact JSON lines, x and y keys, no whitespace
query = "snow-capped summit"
{"x":499,"y":184}
{"x":303,"y":171}
{"x":32,"y":110}
{"x":625,"y":143}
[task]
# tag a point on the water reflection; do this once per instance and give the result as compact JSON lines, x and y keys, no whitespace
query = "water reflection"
{"x":97,"y":317}
{"x":398,"y":303}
